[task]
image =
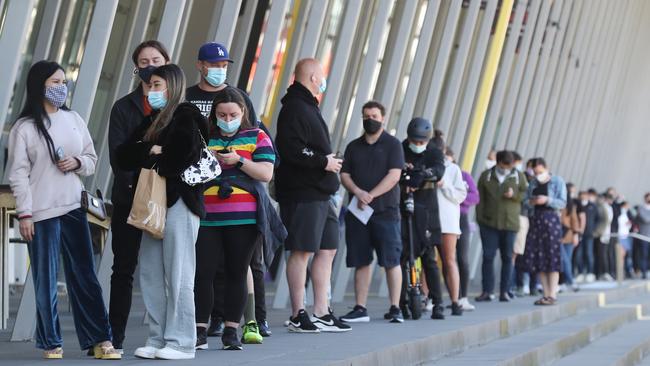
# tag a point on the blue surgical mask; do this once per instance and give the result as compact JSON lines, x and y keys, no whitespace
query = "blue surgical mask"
{"x":157,"y":99}
{"x":418,"y":149}
{"x":216,"y":76}
{"x":56,"y":94}
{"x":323,"y":86}
{"x":230,"y":126}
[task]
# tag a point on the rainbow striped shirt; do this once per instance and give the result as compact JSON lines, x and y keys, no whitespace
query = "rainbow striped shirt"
{"x":241,"y":207}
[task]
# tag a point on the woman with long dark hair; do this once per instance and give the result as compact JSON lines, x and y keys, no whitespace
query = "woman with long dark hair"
{"x":235,"y":205}
{"x":451,"y":192}
{"x":126,"y":115}
{"x":171,"y":140}
{"x":50,"y":149}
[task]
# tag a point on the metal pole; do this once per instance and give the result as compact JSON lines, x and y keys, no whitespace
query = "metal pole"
{"x":451,"y":96}
{"x":475,"y":69}
{"x":487,"y":83}
{"x":417,"y":69}
{"x":501,"y":83}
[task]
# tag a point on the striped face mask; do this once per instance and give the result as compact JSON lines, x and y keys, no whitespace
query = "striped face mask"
{"x":56,"y":94}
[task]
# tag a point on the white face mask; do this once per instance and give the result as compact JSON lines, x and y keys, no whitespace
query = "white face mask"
{"x":584,"y":202}
{"x":543,"y":177}
{"x":519,"y":167}
{"x":489,"y":164}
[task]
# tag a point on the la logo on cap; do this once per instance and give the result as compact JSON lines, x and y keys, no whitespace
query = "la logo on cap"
{"x":220,"y":51}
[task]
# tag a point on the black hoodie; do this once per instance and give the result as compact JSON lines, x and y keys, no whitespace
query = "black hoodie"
{"x":303,"y":143}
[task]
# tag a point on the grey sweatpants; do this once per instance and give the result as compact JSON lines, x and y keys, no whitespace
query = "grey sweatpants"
{"x":167,"y":281}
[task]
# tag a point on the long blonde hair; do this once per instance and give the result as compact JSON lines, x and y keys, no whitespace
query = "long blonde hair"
{"x":175,"y":79}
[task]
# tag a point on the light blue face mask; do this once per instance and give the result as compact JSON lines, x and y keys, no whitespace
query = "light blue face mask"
{"x":323,"y":86}
{"x":418,"y":149}
{"x":229,"y":127}
{"x":157,"y":99}
{"x":216,"y":76}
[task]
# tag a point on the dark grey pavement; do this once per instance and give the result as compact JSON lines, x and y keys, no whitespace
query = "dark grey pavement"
{"x":377,"y":342}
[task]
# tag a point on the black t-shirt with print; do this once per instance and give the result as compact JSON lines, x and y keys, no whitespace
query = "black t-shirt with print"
{"x":203,"y":100}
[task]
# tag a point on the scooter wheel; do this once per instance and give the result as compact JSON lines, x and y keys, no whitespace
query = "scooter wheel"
{"x":415,"y":303}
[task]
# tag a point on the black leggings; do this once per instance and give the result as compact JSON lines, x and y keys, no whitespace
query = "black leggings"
{"x":462,"y":249}
{"x":258,"y":269}
{"x":237,"y":243}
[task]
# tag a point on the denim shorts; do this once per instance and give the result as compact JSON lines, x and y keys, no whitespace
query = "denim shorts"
{"x":380,"y":235}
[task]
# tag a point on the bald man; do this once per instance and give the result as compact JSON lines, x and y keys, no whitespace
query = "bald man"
{"x":305,"y":182}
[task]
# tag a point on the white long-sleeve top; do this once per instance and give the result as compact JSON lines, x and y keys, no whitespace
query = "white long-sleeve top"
{"x":40,"y":188}
{"x":450,"y":196}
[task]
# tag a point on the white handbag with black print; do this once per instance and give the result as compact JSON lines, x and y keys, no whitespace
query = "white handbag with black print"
{"x":204,"y":170}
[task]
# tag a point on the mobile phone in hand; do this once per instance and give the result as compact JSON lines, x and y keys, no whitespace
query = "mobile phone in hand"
{"x":59,"y":154}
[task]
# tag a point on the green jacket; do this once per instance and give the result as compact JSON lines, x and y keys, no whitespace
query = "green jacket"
{"x":495,"y":210}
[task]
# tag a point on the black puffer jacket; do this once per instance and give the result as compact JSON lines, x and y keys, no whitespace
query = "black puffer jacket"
{"x":303,"y":143}
{"x":126,"y":115}
{"x":426,"y":220}
{"x":181,"y":147}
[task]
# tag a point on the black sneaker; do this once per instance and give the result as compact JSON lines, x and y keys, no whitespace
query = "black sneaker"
{"x":437,"y":312}
{"x":405,"y":312}
{"x":216,"y":328}
{"x":265,"y":331}
{"x":484,"y":297}
{"x":201,"y":338}
{"x":395,"y":315}
{"x":302,"y":324}
{"x":230,"y":340}
{"x":456,"y":309}
{"x":330,"y":323}
{"x":358,"y":315}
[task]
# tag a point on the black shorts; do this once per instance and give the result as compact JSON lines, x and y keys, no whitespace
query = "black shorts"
{"x":382,"y":235}
{"x":311,"y":225}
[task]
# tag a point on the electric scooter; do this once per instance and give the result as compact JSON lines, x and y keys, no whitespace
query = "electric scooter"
{"x":414,"y":289}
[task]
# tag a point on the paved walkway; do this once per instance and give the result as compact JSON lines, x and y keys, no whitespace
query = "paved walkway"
{"x":284,"y":348}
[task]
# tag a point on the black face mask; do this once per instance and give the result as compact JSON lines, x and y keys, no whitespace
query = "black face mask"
{"x":145,"y":73}
{"x":371,"y":126}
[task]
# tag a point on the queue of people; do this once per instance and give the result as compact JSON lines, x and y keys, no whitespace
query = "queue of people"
{"x":205,"y":272}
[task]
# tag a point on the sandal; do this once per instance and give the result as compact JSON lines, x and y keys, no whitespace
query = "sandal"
{"x":105,"y":351}
{"x":53,"y":354}
{"x":549,"y":301}
{"x":540,"y":301}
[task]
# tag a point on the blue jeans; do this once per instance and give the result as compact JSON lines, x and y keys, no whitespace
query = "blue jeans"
{"x":503,"y":240}
{"x":69,"y":236}
{"x":567,"y":268}
{"x":585,"y":255}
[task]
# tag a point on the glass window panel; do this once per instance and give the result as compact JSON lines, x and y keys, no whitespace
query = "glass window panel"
{"x":111,"y":69}
{"x":18,"y":98}
{"x":75,"y":27}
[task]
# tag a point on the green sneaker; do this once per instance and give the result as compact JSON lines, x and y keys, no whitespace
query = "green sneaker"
{"x":251,"y":334}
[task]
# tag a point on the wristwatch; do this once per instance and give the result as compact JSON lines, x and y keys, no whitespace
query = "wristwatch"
{"x":240,"y":163}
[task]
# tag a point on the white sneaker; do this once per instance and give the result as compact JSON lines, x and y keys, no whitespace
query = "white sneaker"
{"x":146,"y":352}
{"x":526,"y":290}
{"x":562,"y":288}
{"x":428,"y":305}
{"x":607,"y":277}
{"x":580,"y":278}
{"x":466,"y":305}
{"x":590,"y":278}
{"x":172,"y":354}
